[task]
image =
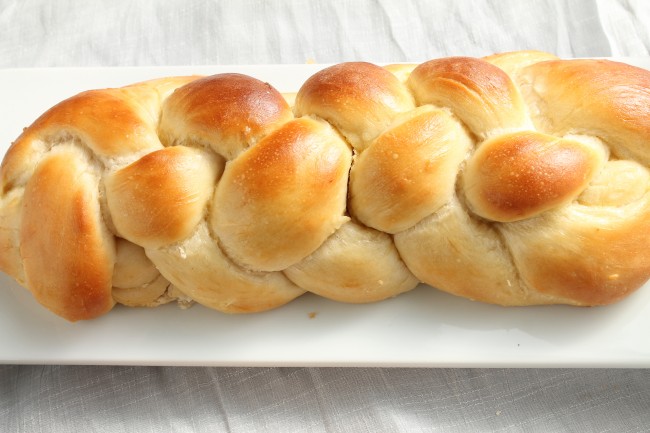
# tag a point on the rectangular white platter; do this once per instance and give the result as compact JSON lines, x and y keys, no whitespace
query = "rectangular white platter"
{"x":422,"y":328}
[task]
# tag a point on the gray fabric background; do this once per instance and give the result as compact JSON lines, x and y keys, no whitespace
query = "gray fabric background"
{"x":147,"y":399}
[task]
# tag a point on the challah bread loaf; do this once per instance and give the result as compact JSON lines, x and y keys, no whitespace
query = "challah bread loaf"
{"x":516,"y":179}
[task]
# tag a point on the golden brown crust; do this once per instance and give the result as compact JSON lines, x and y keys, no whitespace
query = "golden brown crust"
{"x":409,"y":171}
{"x":359,"y":99}
{"x":281,"y":199}
{"x":479,"y":93}
{"x":67,"y":254}
{"x":614,"y":102}
{"x":520,"y":175}
{"x":160,"y":198}
{"x":517,"y":179}
{"x":590,"y":256}
{"x":227,"y":111}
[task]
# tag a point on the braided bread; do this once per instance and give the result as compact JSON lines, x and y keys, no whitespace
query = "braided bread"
{"x":516,"y":179}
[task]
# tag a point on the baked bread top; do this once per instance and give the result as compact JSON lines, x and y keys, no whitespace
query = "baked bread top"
{"x":515,"y":179}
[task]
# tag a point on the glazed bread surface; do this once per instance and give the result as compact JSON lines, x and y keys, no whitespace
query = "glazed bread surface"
{"x":515,"y":179}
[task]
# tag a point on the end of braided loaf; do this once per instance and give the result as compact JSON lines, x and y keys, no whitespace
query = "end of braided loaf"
{"x":516,"y":179}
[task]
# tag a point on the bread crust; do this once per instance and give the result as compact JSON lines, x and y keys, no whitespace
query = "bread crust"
{"x":516,"y":179}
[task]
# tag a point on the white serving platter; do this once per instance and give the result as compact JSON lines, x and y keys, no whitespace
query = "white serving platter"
{"x":422,"y":328}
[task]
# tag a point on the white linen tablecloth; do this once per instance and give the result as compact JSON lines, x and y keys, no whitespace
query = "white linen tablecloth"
{"x":52,"y":398}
